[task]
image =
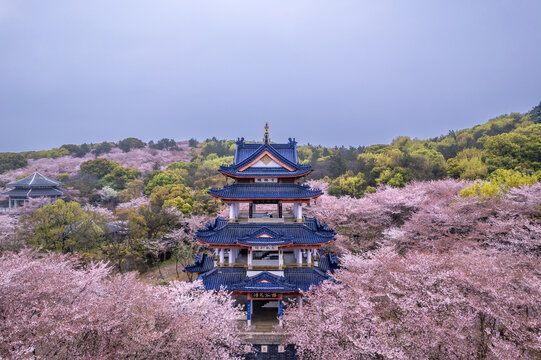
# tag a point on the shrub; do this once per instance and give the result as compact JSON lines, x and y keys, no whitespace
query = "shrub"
{"x":130,"y":143}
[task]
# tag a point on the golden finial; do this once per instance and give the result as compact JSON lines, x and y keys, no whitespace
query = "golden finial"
{"x":266,"y":138}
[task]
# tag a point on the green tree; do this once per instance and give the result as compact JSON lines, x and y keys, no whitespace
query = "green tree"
{"x":348,"y":184}
{"x":519,"y":149}
{"x":118,"y":252}
{"x":166,"y":177}
{"x":11,"y":161}
{"x":467,"y":165}
{"x":99,"y":167}
{"x":173,"y":195}
{"x":47,"y":226}
{"x":150,"y":222}
{"x":499,"y":182}
{"x":130,"y":143}
{"x":120,"y":177}
{"x":134,"y":190}
{"x":395,"y":177}
{"x":63,"y":177}
{"x":102,"y":148}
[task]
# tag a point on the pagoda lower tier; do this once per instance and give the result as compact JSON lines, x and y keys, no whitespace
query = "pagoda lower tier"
{"x":250,"y":285}
{"x":236,"y":280}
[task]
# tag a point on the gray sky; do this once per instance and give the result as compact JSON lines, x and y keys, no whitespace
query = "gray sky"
{"x":326,"y":72}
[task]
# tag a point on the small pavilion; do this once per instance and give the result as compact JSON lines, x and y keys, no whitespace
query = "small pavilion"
{"x":33,"y":186}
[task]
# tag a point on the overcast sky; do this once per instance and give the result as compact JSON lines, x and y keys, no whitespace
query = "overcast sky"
{"x":326,"y":72}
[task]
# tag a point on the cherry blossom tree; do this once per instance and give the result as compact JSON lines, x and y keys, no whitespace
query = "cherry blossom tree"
{"x":8,"y":232}
{"x":459,"y":305}
{"x":134,"y":203}
{"x":181,"y":241}
{"x":447,"y":277}
{"x":53,"y":306}
{"x":363,"y":221}
{"x":143,"y":159}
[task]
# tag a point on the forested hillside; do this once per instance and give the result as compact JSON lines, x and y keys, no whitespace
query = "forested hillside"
{"x":431,"y":233}
{"x":506,"y":142}
{"x":138,"y":184}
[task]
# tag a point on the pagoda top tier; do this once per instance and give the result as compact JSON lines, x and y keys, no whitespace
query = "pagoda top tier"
{"x":260,"y":160}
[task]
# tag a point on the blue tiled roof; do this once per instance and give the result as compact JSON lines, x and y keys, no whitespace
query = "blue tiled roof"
{"x":265,"y":172}
{"x":221,"y":232}
{"x":226,"y":277}
{"x":235,"y":279}
{"x":265,"y":281}
{"x":265,"y":236}
{"x":329,"y":262}
{"x":246,"y":153}
{"x":203,"y":263}
{"x":303,"y":278}
{"x":265,"y":191}
{"x":245,"y":150}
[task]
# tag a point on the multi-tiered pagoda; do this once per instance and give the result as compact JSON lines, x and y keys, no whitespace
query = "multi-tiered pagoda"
{"x":265,"y":251}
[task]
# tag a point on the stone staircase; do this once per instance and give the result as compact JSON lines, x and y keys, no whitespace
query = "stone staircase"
{"x":263,"y":332}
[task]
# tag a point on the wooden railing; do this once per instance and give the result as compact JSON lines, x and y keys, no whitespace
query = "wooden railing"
{"x":264,"y":267}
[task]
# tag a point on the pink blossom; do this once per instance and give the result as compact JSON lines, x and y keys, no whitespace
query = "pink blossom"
{"x":8,"y":231}
{"x":98,"y":210}
{"x":134,"y":203}
{"x":421,"y":306}
{"x":54,"y":307}
{"x":142,"y":159}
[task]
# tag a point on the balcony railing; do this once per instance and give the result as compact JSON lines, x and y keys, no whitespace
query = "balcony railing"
{"x":265,"y":267}
{"x":265,"y":220}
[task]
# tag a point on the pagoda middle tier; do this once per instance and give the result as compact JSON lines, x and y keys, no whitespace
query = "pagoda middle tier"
{"x":223,"y":234}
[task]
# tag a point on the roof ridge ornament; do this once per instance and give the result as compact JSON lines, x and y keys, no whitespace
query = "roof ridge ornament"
{"x":266,"y":138}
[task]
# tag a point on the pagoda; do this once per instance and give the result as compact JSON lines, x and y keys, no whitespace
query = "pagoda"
{"x":33,"y":186}
{"x":266,"y":251}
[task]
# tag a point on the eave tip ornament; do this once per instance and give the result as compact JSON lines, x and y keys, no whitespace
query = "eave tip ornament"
{"x":266,"y":138}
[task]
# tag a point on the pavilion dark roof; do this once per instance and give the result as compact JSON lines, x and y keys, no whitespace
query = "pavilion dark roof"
{"x":33,"y":192}
{"x":34,"y":180}
{"x":311,"y":232}
{"x":265,"y":191}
